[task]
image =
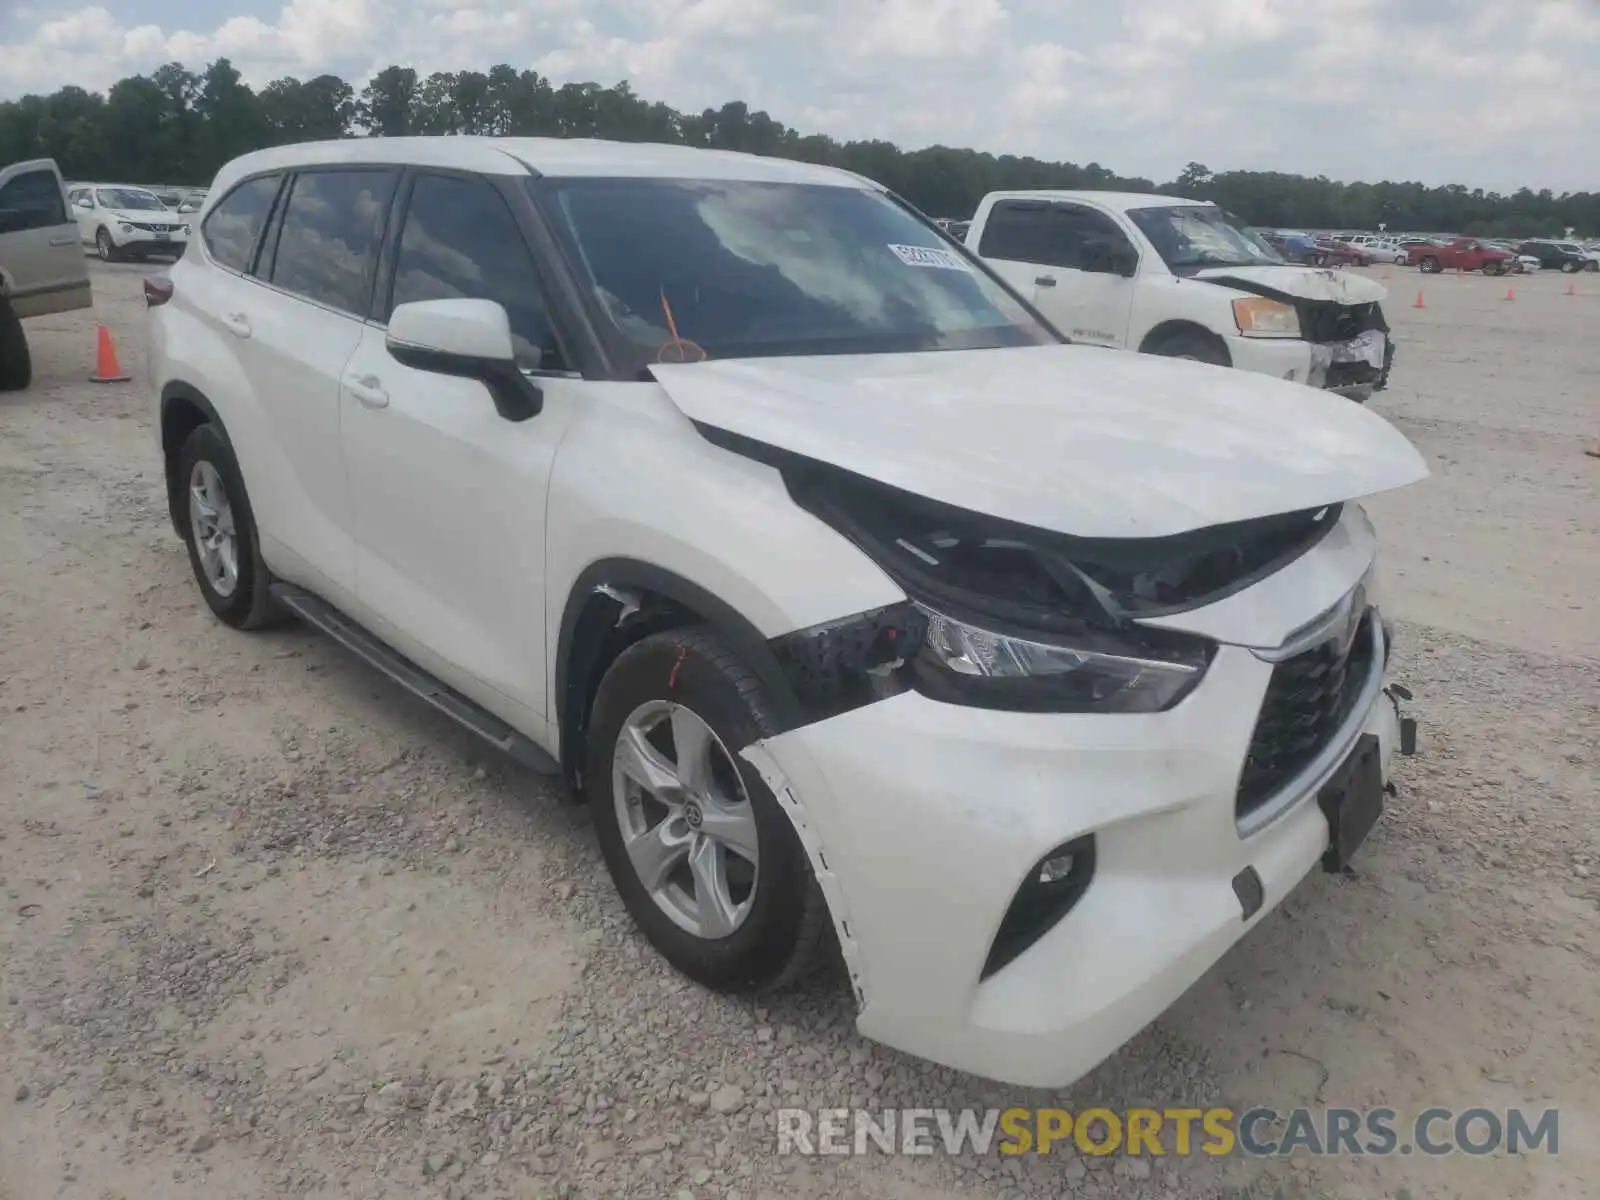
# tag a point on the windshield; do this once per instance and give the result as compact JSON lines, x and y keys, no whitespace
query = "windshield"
{"x":129,"y":198}
{"x":1190,"y":237}
{"x":682,"y":270}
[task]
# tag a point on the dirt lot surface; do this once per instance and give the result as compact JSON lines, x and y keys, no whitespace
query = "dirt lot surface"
{"x":271,"y":928}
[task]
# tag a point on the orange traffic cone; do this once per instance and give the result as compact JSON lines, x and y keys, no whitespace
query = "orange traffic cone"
{"x":1419,"y":303}
{"x":1511,"y":293}
{"x":107,"y":368}
{"x":1572,"y":288}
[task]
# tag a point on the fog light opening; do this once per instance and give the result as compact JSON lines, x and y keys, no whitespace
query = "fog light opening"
{"x":1048,"y":893}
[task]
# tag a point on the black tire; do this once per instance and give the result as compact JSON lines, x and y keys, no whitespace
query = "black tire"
{"x":16,"y":362}
{"x":1494,"y":268}
{"x":788,"y":924}
{"x":1591,"y":265}
{"x":1568,"y":267}
{"x":248,"y":605}
{"x":1428,"y":265}
{"x":105,"y":247}
{"x":1190,"y":344}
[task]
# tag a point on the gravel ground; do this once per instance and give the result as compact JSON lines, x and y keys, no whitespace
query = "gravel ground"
{"x":272,"y":928}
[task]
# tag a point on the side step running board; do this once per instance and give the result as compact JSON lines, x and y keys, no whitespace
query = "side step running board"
{"x":318,"y":612}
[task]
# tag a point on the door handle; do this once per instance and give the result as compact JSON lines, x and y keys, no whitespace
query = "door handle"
{"x":367,"y":389}
{"x":1045,"y":281}
{"x":66,"y":241}
{"x":237,"y":324}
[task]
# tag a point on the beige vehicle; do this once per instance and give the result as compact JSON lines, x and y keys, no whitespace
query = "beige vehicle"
{"x":42,"y":268}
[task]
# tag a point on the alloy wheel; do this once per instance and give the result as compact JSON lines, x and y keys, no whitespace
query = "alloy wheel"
{"x":686,"y":821}
{"x":211,"y":521}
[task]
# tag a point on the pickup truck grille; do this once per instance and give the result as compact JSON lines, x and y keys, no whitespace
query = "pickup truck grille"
{"x":1308,"y":699}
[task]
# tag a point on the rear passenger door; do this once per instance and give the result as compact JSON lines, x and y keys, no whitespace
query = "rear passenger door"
{"x":293,"y":321}
{"x":449,"y":497}
{"x":40,"y":258}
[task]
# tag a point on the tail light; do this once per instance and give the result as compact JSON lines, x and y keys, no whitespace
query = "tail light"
{"x":157,"y":290}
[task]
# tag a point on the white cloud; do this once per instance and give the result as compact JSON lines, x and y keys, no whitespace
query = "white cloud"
{"x":1492,"y":93}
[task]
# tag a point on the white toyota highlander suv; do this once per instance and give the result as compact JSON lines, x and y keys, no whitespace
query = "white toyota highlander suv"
{"x":867,"y":615}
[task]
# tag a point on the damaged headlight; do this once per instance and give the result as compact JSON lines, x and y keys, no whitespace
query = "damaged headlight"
{"x":1257,"y":316}
{"x":1134,"y":670}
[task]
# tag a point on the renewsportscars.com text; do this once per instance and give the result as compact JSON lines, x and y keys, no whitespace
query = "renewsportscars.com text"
{"x":1254,"y":1132}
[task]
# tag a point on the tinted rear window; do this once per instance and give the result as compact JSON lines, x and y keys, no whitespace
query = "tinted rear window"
{"x":331,"y":226}
{"x":233,"y":227}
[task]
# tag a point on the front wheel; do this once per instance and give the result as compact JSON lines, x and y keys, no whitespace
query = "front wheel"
{"x":1194,"y":346}
{"x":1568,"y":267}
{"x":1494,"y":268}
{"x":1591,"y":265}
{"x":704,"y":857}
{"x":105,"y":247}
{"x":1428,"y":265}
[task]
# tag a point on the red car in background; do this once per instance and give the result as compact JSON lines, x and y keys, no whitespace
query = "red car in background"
{"x":1333,"y":253}
{"x":1462,"y":254}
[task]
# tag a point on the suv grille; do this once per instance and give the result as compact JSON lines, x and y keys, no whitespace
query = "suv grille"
{"x":1310,"y":696}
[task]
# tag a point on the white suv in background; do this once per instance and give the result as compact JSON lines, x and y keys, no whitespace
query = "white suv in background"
{"x":126,"y":222}
{"x":861,"y":610}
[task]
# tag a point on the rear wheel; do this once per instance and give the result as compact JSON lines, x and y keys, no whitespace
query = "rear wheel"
{"x":1494,"y":268}
{"x":1591,"y":265}
{"x":224,"y":549}
{"x":16,"y":363}
{"x":704,"y":857}
{"x":1568,"y":267}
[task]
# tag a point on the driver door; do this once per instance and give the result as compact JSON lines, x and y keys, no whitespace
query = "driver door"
{"x":1082,"y":294}
{"x":448,"y":497}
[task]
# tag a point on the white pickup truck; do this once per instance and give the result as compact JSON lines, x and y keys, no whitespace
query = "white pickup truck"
{"x":42,"y":268}
{"x":1185,"y":279}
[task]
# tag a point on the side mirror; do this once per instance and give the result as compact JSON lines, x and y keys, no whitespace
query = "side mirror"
{"x":86,"y":203}
{"x":470,"y":339}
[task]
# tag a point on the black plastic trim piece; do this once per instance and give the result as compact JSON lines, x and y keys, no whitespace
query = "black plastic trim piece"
{"x":844,"y":665}
{"x":1247,"y":886}
{"x":516,"y":397}
{"x":1039,"y":907}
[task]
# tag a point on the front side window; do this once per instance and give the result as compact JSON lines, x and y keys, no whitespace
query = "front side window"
{"x":124,"y":199}
{"x":734,"y":269}
{"x":233,"y":227}
{"x":1192,"y":237}
{"x":328,"y":243}
{"x":460,"y":242}
{"x":31,"y":200}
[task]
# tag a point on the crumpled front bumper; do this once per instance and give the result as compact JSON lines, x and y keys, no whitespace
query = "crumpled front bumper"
{"x":1356,"y":367}
{"x":923,"y":819}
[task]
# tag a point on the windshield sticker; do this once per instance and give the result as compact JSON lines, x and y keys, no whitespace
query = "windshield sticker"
{"x":928,"y":256}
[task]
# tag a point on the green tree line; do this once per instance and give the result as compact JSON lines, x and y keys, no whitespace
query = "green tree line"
{"x":175,"y":126}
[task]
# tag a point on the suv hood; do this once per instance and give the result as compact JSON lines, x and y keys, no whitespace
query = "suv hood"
{"x":1305,"y":283}
{"x":1077,"y":439}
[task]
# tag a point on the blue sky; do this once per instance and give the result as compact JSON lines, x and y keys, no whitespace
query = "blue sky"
{"x":1490,"y":93}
